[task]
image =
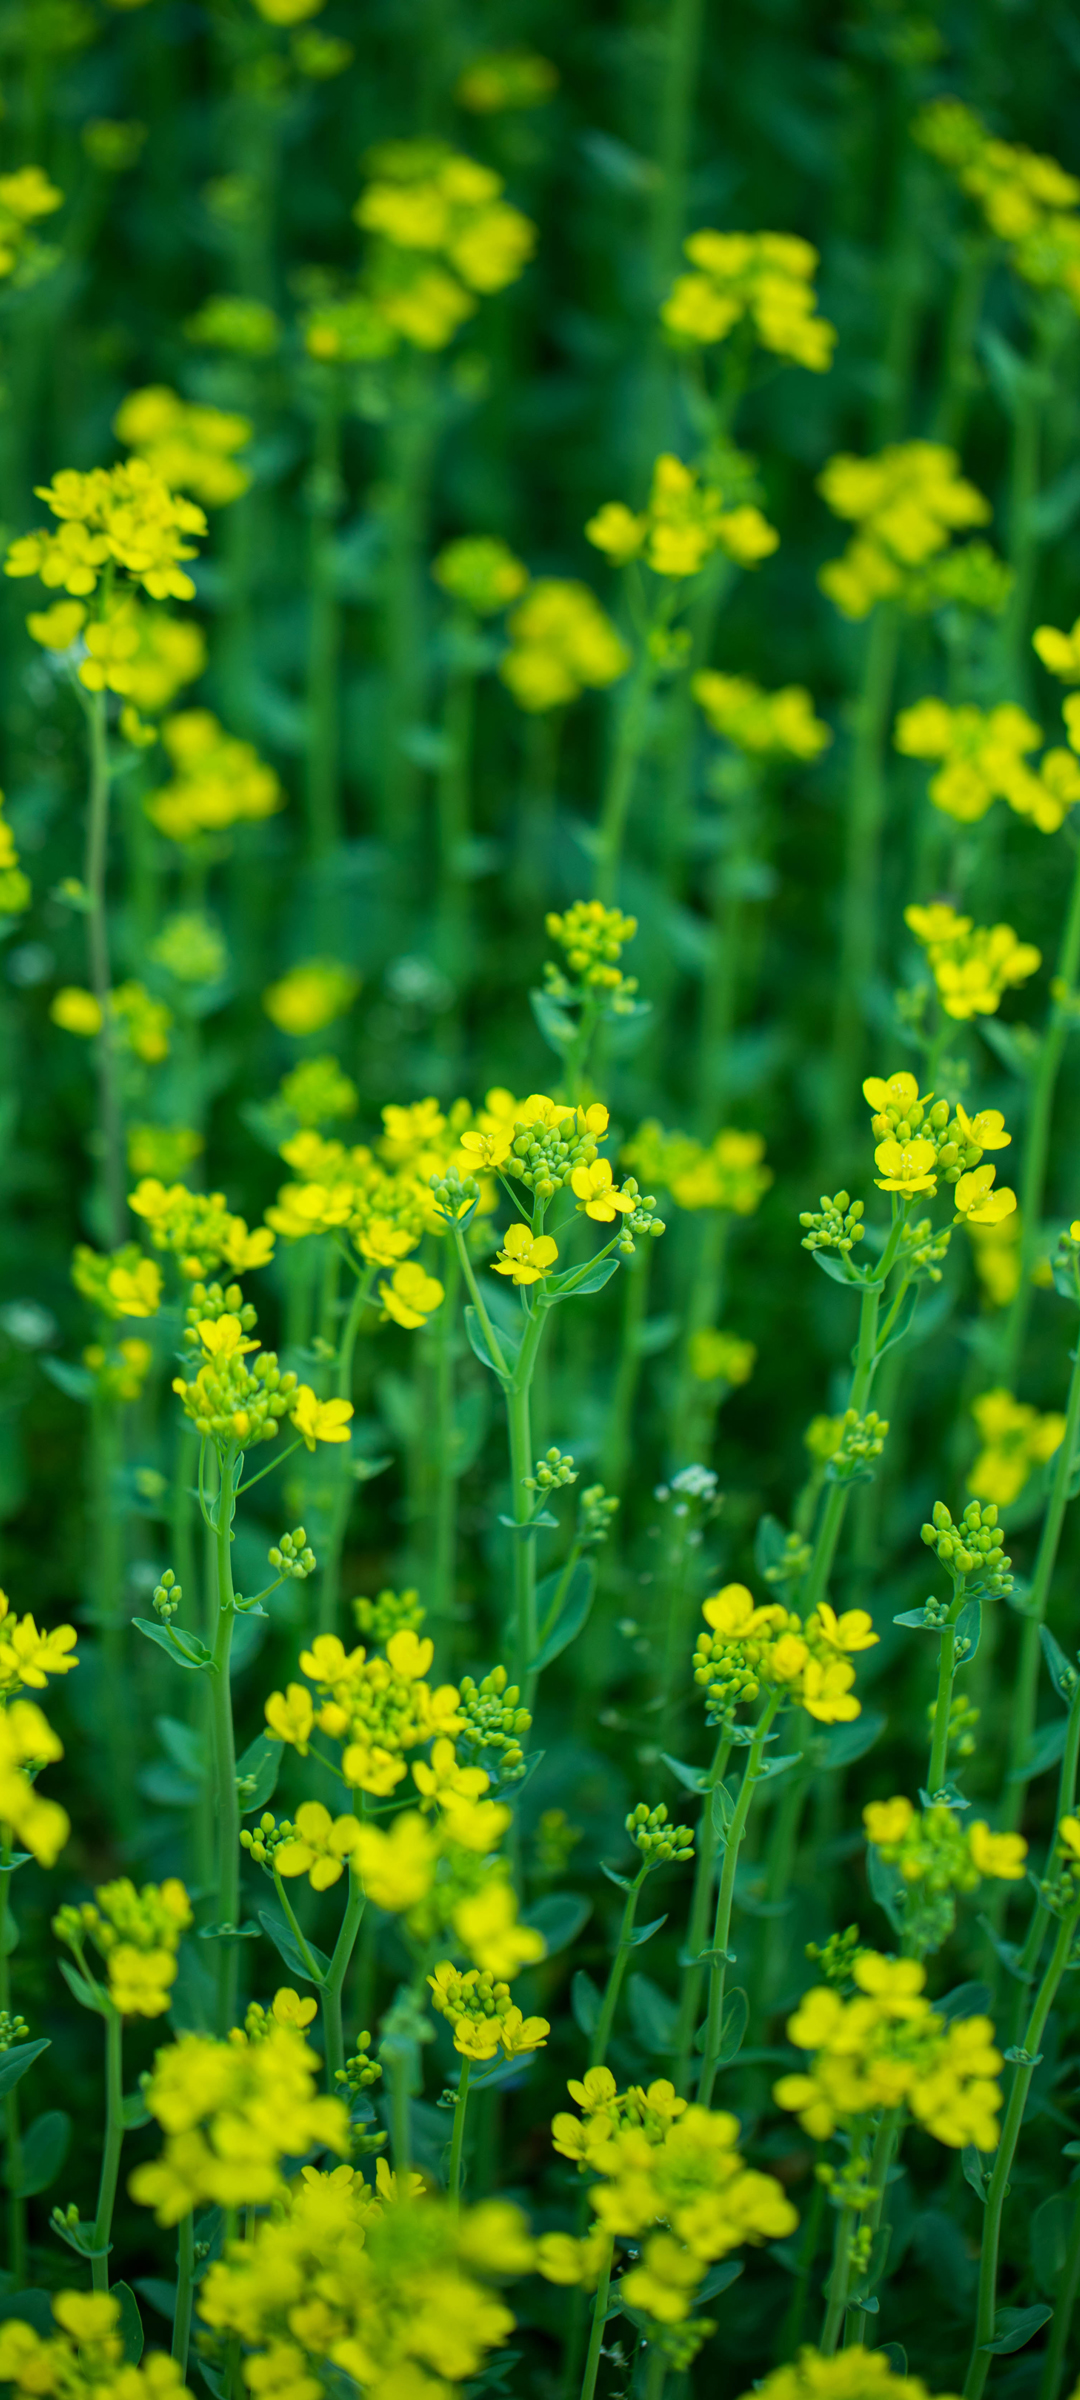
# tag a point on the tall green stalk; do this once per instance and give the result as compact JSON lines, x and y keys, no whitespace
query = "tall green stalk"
{"x":693,"y":1971}
{"x":323,"y":754}
{"x":110,"y":1116}
{"x":227,"y":1802}
{"x":457,"y":2137}
{"x":860,"y":898}
{"x":1039,"y":1117}
{"x":725,"y":1897}
{"x":16,"y":2207}
{"x":602,"y":2036}
{"x":185,"y":2290}
{"x":334,"y":1980}
{"x":1024,"y":1698}
{"x":114,"y":2136}
{"x":334,"y":1541}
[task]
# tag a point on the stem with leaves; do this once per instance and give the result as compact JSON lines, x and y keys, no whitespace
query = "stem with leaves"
{"x":725,"y":1896}
{"x":16,"y":2209}
{"x":185,"y":2290}
{"x":698,"y":1924}
{"x":227,"y":1799}
{"x":334,"y":1979}
{"x":457,"y":2137}
{"x":114,"y":2135}
{"x":617,"y":1970}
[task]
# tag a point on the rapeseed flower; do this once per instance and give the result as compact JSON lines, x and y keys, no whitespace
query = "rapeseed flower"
{"x":684,"y":523}
{"x":311,"y":996}
{"x":1016,"y":1439}
{"x":561,"y":643}
{"x":191,"y":447}
{"x":907,"y":502}
{"x":886,"y":2046}
{"x":762,"y":279}
{"x":973,"y":966}
{"x":765,"y":724}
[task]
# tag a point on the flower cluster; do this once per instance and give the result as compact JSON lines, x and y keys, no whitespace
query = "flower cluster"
{"x":714,"y":1356}
{"x":919,"y":1140}
{"x":15,"y":892}
{"x":907,"y":502}
{"x":217,"y":781}
{"x":84,"y":2359}
{"x":684,"y":523}
{"x":444,"y":234}
{"x":25,"y":197}
{"x":656,"y":1840}
{"x":311,"y":995}
{"x":973,"y":1549}
{"x":763,"y":279}
{"x":238,"y":1402}
{"x":750,"y":1648}
{"x":778,"y":724}
{"x":28,"y":1743}
{"x":886,"y":2046}
{"x":199,"y":1229}
{"x":376,"y":1707}
{"x":27,"y":1657}
{"x":142,"y":653}
{"x":122,"y":517}
{"x":937,"y":1850}
{"x":121,"y":1283}
{"x":726,"y":1173}
{"x":480,"y":572}
{"x":482,"y":2014}
{"x":984,"y":754}
{"x":1015,"y":1439}
{"x":593,"y":938}
{"x":192,"y":448}
{"x":973,"y":965}
{"x":853,"y":2374}
{"x":836,"y":1225}
{"x":392,"y":2289}
{"x":137,"y":1933}
{"x":493,"y":1720}
{"x":231,"y":2113}
{"x":561,"y":643}
{"x":1028,"y":200}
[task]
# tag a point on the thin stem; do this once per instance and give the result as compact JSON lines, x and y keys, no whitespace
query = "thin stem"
{"x":110,"y":1126}
{"x":599,"y":2319}
{"x":656,"y":2373}
{"x":1066,"y":1802}
{"x":1025,"y":1689}
{"x":330,"y":1579}
{"x":724,"y":1900}
{"x":859,"y":903}
{"x":617,"y":1448}
{"x":114,"y":2135}
{"x":16,"y":2206}
{"x":1064,"y":2304}
{"x":520,"y":1435}
{"x":324,"y":635}
{"x":227,"y":1801}
{"x":335,"y":1978}
{"x":400,"y":2126}
{"x":839,"y":2281}
{"x":457,"y":2138}
{"x":447,"y":1472}
{"x":1037,"y":1137}
{"x":881,"y":2159}
{"x":296,"y":1930}
{"x":698,"y":1925}
{"x":185,"y":2290}
{"x":476,"y":1296}
{"x":602,"y":2036}
{"x":1006,"y":2152}
{"x":947,"y":1664}
{"x":622,"y":772}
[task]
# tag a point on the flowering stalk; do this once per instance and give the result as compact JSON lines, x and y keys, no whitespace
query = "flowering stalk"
{"x":599,"y":2320}
{"x":334,"y":1980}
{"x":412,"y":434}
{"x":947,"y":1666}
{"x":617,"y":1441}
{"x":444,"y":1527}
{"x":16,"y":2206}
{"x":702,"y":1309}
{"x":698,"y":1925}
{"x":330,"y":1581}
{"x":881,"y":2159}
{"x":627,"y":748}
{"x":110,"y":1119}
{"x":1040,"y":1112}
{"x":859,"y":902}
{"x":185,"y":2290}
{"x":227,"y":1800}
{"x":839,"y":2279}
{"x":1066,"y":1801}
{"x":324,"y":636}
{"x":724,"y":1898}
{"x":114,"y":2136}
{"x":452,"y":795}
{"x":1064,"y":2304}
{"x":1025,"y":1689}
{"x":617,"y":1970}
{"x":1006,"y":2152}
{"x":457,"y":2138}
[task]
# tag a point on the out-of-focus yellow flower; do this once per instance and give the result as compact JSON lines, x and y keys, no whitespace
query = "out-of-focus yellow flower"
{"x":311,"y":996}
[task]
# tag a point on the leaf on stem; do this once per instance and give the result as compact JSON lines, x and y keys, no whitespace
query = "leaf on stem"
{"x":586,"y":2003}
{"x":185,"y":1649}
{"x":1013,"y":2327}
{"x":285,"y":1944}
{"x":560,"y":1918}
{"x":573,"y":1615}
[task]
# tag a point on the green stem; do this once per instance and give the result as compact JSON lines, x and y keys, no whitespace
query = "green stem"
{"x":622,"y":773}
{"x":724,"y":1899}
{"x":834,"y":1511}
{"x":444,"y":1529}
{"x":1064,"y":2304}
{"x":617,"y":1449}
{"x":599,"y":2319}
{"x":698,"y":1924}
{"x":656,"y":2373}
{"x":227,"y":1803}
{"x":839,"y":2281}
{"x":330,"y":1579}
{"x":457,"y":2138}
{"x":1037,"y":1134}
{"x":881,"y":2159}
{"x":110,"y":1118}
{"x":860,"y":900}
{"x":452,"y":797}
{"x":947,"y":1665}
{"x":335,"y":1979}
{"x":1066,"y":1802}
{"x":1006,"y":2152}
{"x":703,"y":1306}
{"x":602,"y":2036}
{"x":400,"y":2126}
{"x":185,"y":2290}
{"x":114,"y":2135}
{"x":16,"y":2206}
{"x":411,"y":435}
{"x":324,"y":635}
{"x":296,"y":1930}
{"x":1025,"y":1689}
{"x":520,"y":1435}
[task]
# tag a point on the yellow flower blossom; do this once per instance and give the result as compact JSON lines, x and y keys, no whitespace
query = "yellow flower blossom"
{"x":524,"y":1256}
{"x":597,"y":1193}
{"x":319,"y":1845}
{"x":411,"y":1296}
{"x":320,"y":1420}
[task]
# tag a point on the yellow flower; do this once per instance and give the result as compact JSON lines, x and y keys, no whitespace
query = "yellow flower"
{"x":524,"y":1257}
{"x":974,"y":1199}
{"x":597,"y":1193}
{"x":887,"y":1820}
{"x":486,"y":1924}
{"x":76,"y":1010}
{"x":320,"y":1420}
{"x":397,"y":1867}
{"x":140,"y":1981}
{"x":411,"y":1296}
{"x":999,"y":1854}
{"x":319,"y":1846}
{"x":290,"y":1716}
{"x":57,"y":627}
{"x":907,"y":1166}
{"x":717,"y":1357}
{"x":311,"y":996}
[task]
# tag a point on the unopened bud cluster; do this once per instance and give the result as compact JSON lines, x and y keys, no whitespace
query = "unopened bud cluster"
{"x":836,"y":1225}
{"x":836,"y":1958}
{"x":976,"y":1545}
{"x":923,"y":1246}
{"x":862,"y":1439}
{"x":658,"y":1841}
{"x":494,"y":1720}
{"x":208,"y":1302}
{"x":359,"y":2071}
{"x":389,"y":1613}
{"x":597,"y":1510}
{"x":792,"y":1563}
{"x":593,"y":938}
{"x":454,"y":1194}
{"x":291,"y":1556}
{"x":12,"y":2029}
{"x":262,"y":1840}
{"x":553,"y":1470}
{"x":543,"y":1157}
{"x":167,"y":1596}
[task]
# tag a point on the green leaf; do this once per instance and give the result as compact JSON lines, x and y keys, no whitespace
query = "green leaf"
{"x":887,"y":1885}
{"x":1062,"y":1675}
{"x":837,"y":1272}
{"x":1045,"y":1748}
{"x":719,"y":2279}
{"x":644,"y":1933}
{"x":722,"y":1807}
{"x":76,"y":1382}
{"x":692,"y":1779}
{"x":134,"y":2112}
{"x":284,"y":1943}
{"x":477,"y":1340}
{"x":584,"y":1279}
{"x":543,"y":1520}
{"x":1051,"y":2226}
{"x":43,"y":2150}
{"x":770,"y":1543}
{"x":968,"y":1629}
{"x":653,"y":2016}
{"x":841,"y":1745}
{"x":971,"y":2161}
{"x":572,"y":1617}
{"x":559,"y":1917}
{"x":558,"y":1029}
{"x":1015,"y":2326}
{"x":184,"y":1649}
{"x":965,"y":2000}
{"x":919,"y":1619}
{"x":131,"y":2326}
{"x":586,"y":2003}
{"x":733,"y":2026}
{"x":622,"y":1882}
{"x":778,"y":1766}
{"x":14,"y":2062}
{"x":84,"y":1992}
{"x":262,"y":1760}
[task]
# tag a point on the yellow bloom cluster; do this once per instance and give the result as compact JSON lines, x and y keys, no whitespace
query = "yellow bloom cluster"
{"x":121,"y":1283}
{"x":84,"y":2359}
{"x":973,"y":964}
{"x":27,"y":1743}
{"x":539,"y":1141}
{"x":684,"y":523}
{"x":27,"y":1657}
{"x":217,"y":781}
{"x":230,"y":1399}
{"x":191,"y":447}
{"x":482,"y":2014}
{"x":231,"y":2112}
{"x":594,"y":938}
{"x":311,"y":995}
{"x":562,"y":643}
{"x":920,"y":1139}
{"x":886,"y":2046}
{"x":139,"y":1023}
{"x":998,"y":1254}
{"x":199,"y":1229}
{"x":15,"y":892}
{"x":906,"y":502}
{"x":376,"y":1707}
{"x":778,"y":724}
{"x":120,"y":516}
{"x":984,"y":754}
{"x":137,"y":1935}
{"x":763,"y":279}
{"x":726,"y":1173}
{"x":24,"y":198}
{"x":482,"y":572}
{"x":717,"y":1357}
{"x":143,"y":654}
{"x":1016,"y":1440}
{"x":749,"y":1649}
{"x":853,"y":2374}
{"x":501,"y":79}
{"x":120,"y":1373}
{"x":936,"y":1850}
{"x":444,"y":235}
{"x":393,"y":2291}
{"x":1028,"y":200}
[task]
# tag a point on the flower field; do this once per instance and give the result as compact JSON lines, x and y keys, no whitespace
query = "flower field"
{"x":539,"y":1218}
